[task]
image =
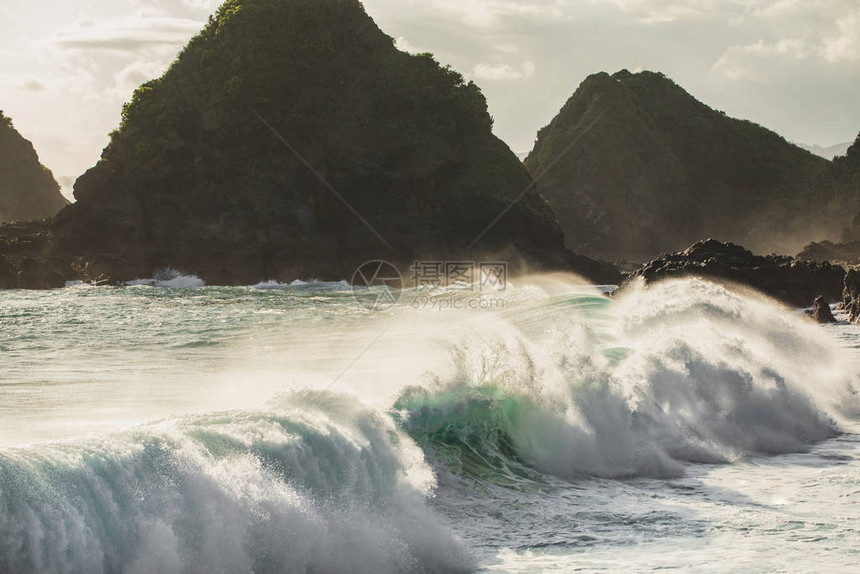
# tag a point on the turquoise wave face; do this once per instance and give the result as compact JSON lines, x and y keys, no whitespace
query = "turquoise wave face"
{"x":468,"y":430}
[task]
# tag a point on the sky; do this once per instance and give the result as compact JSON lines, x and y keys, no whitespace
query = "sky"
{"x":67,"y":66}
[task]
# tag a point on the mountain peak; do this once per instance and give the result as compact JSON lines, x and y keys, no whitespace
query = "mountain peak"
{"x":292,"y":139}
{"x":638,"y":166}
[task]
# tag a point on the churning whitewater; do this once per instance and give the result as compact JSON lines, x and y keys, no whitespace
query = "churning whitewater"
{"x":285,"y":428}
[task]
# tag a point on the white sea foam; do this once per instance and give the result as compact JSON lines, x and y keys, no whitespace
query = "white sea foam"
{"x":314,"y":285}
{"x":563,"y":381}
{"x":169,"y":279}
{"x":312,"y":483}
{"x":681,"y":372}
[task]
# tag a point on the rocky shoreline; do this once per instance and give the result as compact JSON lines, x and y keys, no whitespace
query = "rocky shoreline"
{"x":794,"y":282}
{"x":29,"y":259}
{"x":32,"y":256}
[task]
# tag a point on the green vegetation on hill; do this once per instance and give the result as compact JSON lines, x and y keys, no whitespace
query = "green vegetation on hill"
{"x":646,"y":168}
{"x":27,"y":189}
{"x":193,"y":178}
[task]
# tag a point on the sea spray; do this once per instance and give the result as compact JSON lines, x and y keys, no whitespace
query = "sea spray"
{"x":563,"y":381}
{"x":169,"y":279}
{"x":681,"y":372}
{"x":315,"y":482}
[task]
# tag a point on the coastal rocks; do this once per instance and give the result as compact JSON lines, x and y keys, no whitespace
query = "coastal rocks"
{"x":851,"y":295}
{"x":25,"y":261}
{"x":29,"y":273}
{"x":843,"y":253}
{"x":794,"y":282}
{"x":822,"y":313}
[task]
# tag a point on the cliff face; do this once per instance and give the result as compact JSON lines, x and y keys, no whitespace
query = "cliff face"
{"x":291,"y":138}
{"x":635,"y":166}
{"x":27,"y":188}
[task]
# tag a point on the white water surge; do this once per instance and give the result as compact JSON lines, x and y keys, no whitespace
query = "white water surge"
{"x":296,"y":431}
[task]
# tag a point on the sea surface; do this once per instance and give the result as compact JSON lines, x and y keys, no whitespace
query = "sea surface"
{"x":167,"y":426}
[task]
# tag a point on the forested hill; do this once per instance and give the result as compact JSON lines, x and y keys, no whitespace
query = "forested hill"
{"x":27,"y":189}
{"x":635,"y":166}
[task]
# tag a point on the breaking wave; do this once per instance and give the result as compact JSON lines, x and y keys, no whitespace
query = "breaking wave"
{"x":681,"y":372}
{"x":314,"y":483}
{"x":169,"y":279}
{"x":563,"y":383}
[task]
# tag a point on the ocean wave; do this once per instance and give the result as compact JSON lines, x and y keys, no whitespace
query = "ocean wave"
{"x":314,"y":285}
{"x":315,"y":482}
{"x":685,"y":372}
{"x":169,"y":279}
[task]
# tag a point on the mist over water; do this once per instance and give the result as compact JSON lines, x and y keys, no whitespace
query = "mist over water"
{"x":684,"y":372}
{"x":178,"y":428}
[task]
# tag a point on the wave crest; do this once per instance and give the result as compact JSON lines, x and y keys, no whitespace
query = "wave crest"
{"x":680,"y":372}
{"x":316,"y":482}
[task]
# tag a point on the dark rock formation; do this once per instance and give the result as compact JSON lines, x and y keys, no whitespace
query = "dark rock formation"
{"x":851,"y":294}
{"x":796,"y":283}
{"x":842,"y":253}
{"x":822,"y":313}
{"x":25,"y":258}
{"x":292,"y":139}
{"x":27,"y":189}
{"x":634,"y":166}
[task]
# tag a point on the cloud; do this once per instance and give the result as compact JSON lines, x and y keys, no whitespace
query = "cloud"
{"x":749,"y":61}
{"x":129,"y":78}
{"x":192,"y":9}
{"x":487,"y":13}
{"x":405,"y":46}
{"x":845,"y":45}
{"x":755,"y":60}
{"x":660,"y":11}
{"x":23,"y":83}
{"x":30,"y":84}
{"x":493,"y":72}
{"x":826,"y":33}
{"x":127,"y":34}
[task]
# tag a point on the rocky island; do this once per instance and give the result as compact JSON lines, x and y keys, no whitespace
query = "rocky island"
{"x":293,"y":139}
{"x":634,"y":166}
